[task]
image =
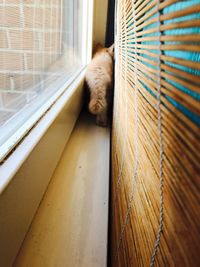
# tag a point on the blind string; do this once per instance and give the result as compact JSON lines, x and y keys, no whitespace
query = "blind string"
{"x":160,"y":229}
{"x":136,"y":151}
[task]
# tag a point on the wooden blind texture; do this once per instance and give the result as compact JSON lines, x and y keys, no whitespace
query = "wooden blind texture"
{"x":155,"y":139}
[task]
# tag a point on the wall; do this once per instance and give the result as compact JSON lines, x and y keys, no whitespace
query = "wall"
{"x":155,"y":139}
{"x":100,"y":20}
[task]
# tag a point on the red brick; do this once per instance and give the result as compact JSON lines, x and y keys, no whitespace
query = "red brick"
{"x":11,"y":61}
{"x":3,"y":40}
{"x":38,"y":61}
{"x":52,"y":42}
{"x":23,"y":40}
{"x":25,"y":82}
{"x":9,"y":17}
{"x":4,"y":82}
{"x":32,"y":22}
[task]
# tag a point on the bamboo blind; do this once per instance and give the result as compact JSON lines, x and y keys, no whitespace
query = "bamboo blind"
{"x":155,"y":138}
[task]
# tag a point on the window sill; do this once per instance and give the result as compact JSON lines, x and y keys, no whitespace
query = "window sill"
{"x":15,"y":160}
{"x":79,"y":190}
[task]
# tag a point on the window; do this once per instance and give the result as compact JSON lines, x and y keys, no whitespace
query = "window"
{"x":41,"y":49}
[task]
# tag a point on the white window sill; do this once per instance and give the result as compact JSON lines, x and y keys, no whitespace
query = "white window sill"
{"x":14,"y":161}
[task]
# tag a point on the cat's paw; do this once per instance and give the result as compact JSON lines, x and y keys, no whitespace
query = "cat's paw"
{"x":102,"y":121}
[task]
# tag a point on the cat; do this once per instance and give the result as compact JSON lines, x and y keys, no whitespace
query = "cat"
{"x":99,"y":76}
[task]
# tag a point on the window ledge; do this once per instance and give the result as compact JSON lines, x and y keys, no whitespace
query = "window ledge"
{"x":79,"y":187}
{"x":17,"y":157}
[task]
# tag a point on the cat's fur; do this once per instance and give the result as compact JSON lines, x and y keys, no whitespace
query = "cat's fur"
{"x":99,"y":80}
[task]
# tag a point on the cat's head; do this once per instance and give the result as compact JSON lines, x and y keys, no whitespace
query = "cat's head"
{"x":100,"y":49}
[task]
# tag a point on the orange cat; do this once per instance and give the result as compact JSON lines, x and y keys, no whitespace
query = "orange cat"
{"x":99,"y":75}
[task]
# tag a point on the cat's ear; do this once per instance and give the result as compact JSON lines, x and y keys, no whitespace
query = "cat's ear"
{"x":97,"y":47}
{"x":111,"y":50}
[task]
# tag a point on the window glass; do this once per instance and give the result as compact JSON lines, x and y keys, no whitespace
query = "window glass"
{"x":40,"y":49}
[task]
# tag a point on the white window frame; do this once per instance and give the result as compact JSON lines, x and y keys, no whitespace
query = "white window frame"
{"x":35,"y":127}
{"x":23,"y":130}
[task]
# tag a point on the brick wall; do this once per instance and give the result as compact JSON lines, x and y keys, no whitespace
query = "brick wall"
{"x":30,"y":42}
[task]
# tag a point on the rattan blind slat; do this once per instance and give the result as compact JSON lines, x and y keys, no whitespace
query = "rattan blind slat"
{"x":194,"y":149}
{"x":183,"y":97}
{"x":157,"y":50}
{"x":171,"y":15}
{"x":168,"y":26}
{"x":145,"y":10}
{"x":184,"y":47}
{"x":175,"y":129}
{"x":179,"y":61}
{"x":142,"y":5}
{"x":188,"y":101}
{"x":175,"y":71}
{"x":181,"y":13}
{"x":177,"y":38}
{"x":152,"y":100}
{"x":179,"y":146}
{"x":182,"y":62}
